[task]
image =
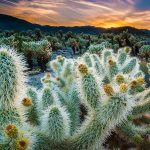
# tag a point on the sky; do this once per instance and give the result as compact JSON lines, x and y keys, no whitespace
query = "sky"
{"x":100,"y":13}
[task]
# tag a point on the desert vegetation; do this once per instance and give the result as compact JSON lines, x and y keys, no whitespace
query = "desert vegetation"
{"x":94,"y":91}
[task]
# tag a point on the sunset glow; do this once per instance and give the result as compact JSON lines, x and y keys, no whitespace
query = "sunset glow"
{"x":101,"y":13}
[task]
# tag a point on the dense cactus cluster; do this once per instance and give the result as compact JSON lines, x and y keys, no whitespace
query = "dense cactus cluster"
{"x":111,"y":89}
{"x":77,"y":43}
{"x":8,"y":41}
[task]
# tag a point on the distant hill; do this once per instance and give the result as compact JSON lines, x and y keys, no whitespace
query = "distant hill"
{"x":130,"y":30}
{"x":12,"y":23}
{"x":147,"y":31}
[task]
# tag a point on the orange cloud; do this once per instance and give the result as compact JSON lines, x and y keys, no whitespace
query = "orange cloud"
{"x":99,"y":13}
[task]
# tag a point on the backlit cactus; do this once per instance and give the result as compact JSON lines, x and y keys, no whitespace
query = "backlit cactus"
{"x":12,"y":85}
{"x":99,"y":47}
{"x":145,"y":52}
{"x":13,"y":89}
{"x":111,"y":88}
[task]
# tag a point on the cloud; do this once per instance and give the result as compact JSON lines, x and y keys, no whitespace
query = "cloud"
{"x":103,"y":13}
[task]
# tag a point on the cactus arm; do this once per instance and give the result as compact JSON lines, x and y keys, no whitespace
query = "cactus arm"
{"x":55,"y":127}
{"x":90,"y":90}
{"x":130,"y":66}
{"x":133,"y":132}
{"x":100,"y":123}
{"x":73,"y":107}
{"x":11,"y":77}
{"x":97,"y":65}
{"x":113,"y":70}
{"x":141,"y":108}
{"x":47,"y":97}
{"x":122,"y":58}
{"x":32,"y":113}
{"x":11,"y":85}
{"x":88,"y":60}
{"x":88,"y":135}
{"x":142,"y":104}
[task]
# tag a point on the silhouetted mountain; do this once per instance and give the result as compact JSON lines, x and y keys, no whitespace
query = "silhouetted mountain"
{"x":147,"y":31}
{"x":130,"y":30}
{"x":12,"y":23}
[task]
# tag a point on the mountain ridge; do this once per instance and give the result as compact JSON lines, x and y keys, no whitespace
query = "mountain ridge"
{"x":12,"y":23}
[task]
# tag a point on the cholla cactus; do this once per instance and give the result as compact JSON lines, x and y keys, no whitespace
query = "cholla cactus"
{"x":39,"y":51}
{"x":111,"y":88}
{"x":12,"y":84}
{"x":99,"y":47}
{"x":145,"y":51}
{"x":12,"y":91}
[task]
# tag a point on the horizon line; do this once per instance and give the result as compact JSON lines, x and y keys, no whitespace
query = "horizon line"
{"x":71,"y":26}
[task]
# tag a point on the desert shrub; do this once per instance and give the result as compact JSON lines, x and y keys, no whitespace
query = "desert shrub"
{"x":55,"y":43}
{"x":73,"y":43}
{"x":39,"y":51}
